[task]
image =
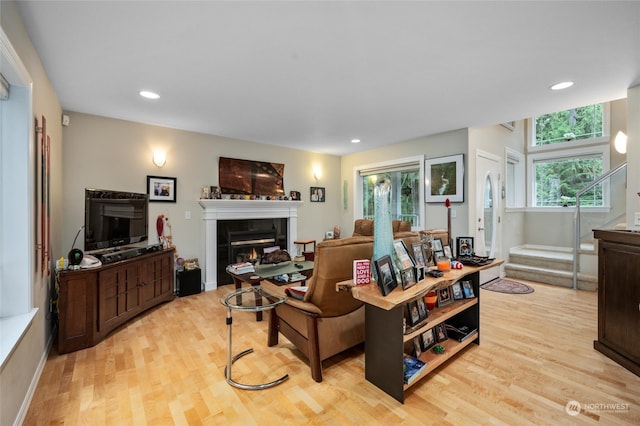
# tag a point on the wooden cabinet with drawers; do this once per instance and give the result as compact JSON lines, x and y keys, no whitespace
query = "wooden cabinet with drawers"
{"x":93,"y":302}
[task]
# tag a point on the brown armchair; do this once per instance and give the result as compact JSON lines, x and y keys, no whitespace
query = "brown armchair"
{"x":326,"y":322}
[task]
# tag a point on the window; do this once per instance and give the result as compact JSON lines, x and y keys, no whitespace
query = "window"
{"x":407,"y":194}
{"x":514,"y":187}
{"x":568,"y":150}
{"x":556,"y":177}
{"x":16,"y":198}
{"x":587,"y":123}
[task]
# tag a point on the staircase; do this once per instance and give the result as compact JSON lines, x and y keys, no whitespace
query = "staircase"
{"x":553,"y":265}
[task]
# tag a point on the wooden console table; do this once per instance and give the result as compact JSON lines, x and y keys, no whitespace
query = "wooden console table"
{"x":619,"y":297}
{"x":385,"y":341}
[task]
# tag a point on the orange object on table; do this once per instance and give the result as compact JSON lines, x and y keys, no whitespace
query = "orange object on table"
{"x":444,"y":265}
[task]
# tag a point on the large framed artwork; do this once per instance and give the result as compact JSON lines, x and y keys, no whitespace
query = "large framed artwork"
{"x":444,"y":179}
{"x":249,"y":177}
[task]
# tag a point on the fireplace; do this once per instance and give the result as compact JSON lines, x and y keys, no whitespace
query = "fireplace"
{"x":226,"y":210}
{"x":244,"y":240}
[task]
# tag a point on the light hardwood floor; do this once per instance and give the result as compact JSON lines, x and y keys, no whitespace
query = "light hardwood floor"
{"x":167,"y":367}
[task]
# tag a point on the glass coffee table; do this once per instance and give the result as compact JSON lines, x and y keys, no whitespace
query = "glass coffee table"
{"x":249,"y":299}
{"x":268,"y":272}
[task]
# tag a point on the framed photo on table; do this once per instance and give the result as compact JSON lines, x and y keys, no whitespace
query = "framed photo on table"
{"x":467,"y":290}
{"x":440,"y":331}
{"x":456,"y":290}
{"x":444,"y":179}
{"x":402,"y":254}
{"x":444,"y":296}
{"x":408,"y":278}
{"x":386,"y":275}
{"x":427,"y":339}
{"x":464,"y":246}
{"x":419,"y":256}
{"x":436,"y":244}
{"x":417,"y":312}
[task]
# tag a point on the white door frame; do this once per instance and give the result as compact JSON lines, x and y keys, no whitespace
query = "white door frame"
{"x":478,"y":209}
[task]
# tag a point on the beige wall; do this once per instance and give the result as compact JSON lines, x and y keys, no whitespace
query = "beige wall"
{"x":115,"y":154}
{"x":18,"y":375}
{"x":440,"y":145}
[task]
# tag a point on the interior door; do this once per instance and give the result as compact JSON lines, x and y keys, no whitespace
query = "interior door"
{"x":487,"y":217}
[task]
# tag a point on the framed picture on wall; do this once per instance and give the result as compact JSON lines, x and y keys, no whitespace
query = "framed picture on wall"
{"x":444,"y":179}
{"x":317,"y":194}
{"x":162,"y":189}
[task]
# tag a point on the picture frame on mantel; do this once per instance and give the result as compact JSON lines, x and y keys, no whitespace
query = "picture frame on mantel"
{"x":444,"y":179}
{"x":162,"y":189}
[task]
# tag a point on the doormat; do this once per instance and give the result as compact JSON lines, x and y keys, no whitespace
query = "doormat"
{"x":502,"y":285}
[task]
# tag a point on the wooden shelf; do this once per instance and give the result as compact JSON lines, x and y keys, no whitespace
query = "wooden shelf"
{"x":440,"y":315}
{"x":371,"y":294}
{"x":433,"y":360}
{"x":384,"y":318}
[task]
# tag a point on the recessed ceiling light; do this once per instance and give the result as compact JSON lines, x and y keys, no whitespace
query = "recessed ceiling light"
{"x":355,"y":140}
{"x":149,"y":95}
{"x":561,"y":86}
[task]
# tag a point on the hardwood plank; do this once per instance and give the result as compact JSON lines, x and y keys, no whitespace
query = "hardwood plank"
{"x":167,"y":367}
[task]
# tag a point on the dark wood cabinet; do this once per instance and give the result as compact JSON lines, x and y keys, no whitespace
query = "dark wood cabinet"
{"x":619,"y":297}
{"x":93,"y":302}
{"x":76,"y":310}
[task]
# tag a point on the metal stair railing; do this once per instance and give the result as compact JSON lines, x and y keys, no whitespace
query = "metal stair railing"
{"x":576,"y":220}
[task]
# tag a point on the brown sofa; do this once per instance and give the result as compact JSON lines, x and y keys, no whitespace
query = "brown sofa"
{"x":326,"y":322}
{"x":364,"y":227}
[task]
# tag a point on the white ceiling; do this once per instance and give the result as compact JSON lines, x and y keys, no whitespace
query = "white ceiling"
{"x":314,"y":75}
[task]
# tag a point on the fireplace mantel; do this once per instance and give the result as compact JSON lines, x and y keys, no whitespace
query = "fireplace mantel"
{"x":215,"y":210}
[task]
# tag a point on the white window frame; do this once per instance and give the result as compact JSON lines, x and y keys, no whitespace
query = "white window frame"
{"x":602,"y":149}
{"x":17,"y":206}
{"x":515,"y":189}
{"x":415,"y":161}
{"x":605,"y":138}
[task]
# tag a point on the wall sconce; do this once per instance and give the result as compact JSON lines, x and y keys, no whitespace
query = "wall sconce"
{"x":159,"y":158}
{"x":620,"y":142}
{"x":317,"y":172}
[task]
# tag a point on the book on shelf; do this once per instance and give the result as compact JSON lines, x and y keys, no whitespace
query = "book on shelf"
{"x":412,"y":368}
{"x":297,"y":292}
{"x":361,"y":271}
{"x":241,"y":268}
{"x":460,"y":333}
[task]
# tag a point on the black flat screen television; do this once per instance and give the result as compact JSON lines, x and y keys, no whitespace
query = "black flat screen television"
{"x":114,"y":218}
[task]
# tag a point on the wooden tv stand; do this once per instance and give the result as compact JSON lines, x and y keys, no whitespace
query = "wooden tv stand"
{"x":93,"y":302}
{"x":386,"y":343}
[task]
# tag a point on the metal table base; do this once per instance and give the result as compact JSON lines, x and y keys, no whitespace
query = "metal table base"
{"x":233,"y":358}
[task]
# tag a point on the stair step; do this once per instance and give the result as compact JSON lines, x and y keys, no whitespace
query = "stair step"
{"x":550,"y":276}
{"x":560,"y":258}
